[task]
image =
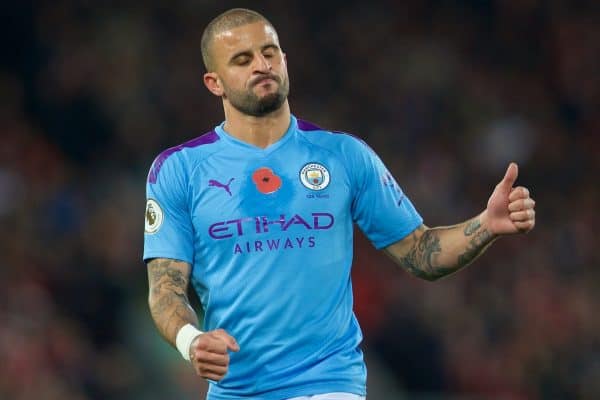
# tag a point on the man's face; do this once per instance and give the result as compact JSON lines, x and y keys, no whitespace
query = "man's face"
{"x":251,"y":68}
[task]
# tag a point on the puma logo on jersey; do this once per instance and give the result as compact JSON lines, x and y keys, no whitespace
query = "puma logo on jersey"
{"x":215,"y":183}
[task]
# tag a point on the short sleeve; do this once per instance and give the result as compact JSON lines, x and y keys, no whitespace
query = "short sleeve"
{"x":168,"y":229}
{"x":379,"y":206}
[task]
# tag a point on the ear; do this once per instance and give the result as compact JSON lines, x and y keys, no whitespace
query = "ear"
{"x":213,"y":83}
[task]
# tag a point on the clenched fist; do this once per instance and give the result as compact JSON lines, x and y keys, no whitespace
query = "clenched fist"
{"x":209,"y":353}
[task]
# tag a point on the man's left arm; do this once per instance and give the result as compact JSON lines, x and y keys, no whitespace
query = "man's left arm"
{"x":431,"y":253}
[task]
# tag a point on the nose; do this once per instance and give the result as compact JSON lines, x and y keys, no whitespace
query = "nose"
{"x":262,"y":63}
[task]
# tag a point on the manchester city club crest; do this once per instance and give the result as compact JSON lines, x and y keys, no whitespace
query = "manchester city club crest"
{"x":314,"y":176}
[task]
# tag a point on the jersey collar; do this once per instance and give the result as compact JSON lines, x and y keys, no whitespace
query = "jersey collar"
{"x":289,"y":133}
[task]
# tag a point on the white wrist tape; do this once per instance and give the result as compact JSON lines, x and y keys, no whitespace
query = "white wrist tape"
{"x":184,"y":339}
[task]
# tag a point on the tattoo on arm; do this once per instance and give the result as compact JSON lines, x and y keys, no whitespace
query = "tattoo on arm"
{"x":424,"y":258}
{"x":477,"y":244}
{"x":421,"y":258}
{"x":410,"y":262}
{"x":168,"y":299}
{"x":472,"y":226}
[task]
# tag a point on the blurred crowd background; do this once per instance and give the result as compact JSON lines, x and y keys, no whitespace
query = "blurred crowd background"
{"x":446,"y":91}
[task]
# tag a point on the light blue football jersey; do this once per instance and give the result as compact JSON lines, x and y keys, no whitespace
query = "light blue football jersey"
{"x":269,"y":233}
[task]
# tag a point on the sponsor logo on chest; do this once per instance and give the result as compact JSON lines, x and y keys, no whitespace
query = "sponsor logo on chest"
{"x":260,"y":233}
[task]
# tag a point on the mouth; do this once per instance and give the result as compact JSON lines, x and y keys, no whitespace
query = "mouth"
{"x":264,"y":80}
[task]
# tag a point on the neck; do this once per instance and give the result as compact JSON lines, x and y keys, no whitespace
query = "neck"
{"x":258,"y":131}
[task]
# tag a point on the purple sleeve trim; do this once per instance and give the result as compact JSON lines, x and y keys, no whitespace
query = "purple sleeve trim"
{"x":308,"y":126}
{"x":207,"y":138}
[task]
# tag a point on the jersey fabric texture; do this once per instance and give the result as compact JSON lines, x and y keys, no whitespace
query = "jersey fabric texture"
{"x":269,"y":235}
{"x":331,"y":396}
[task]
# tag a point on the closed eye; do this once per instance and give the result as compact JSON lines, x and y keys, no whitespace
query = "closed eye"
{"x":270,"y":50}
{"x":241,"y":60}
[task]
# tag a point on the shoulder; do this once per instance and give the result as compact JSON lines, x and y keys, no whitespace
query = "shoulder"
{"x":335,"y":140}
{"x":184,"y":155}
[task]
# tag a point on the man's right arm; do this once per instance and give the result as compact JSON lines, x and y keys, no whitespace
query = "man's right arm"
{"x":171,"y":310}
{"x":169,"y":305}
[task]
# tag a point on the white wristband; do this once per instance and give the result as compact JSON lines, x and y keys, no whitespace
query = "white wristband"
{"x":184,"y":339}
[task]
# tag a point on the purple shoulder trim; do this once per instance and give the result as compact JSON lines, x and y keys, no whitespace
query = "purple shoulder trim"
{"x":207,"y":138}
{"x":307,"y":126}
{"x":352,"y":135}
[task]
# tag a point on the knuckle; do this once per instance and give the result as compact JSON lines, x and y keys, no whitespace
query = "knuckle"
{"x":198,"y":344}
{"x":201,"y":357}
{"x":201,"y":344}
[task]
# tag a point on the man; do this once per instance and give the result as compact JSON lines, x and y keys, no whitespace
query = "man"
{"x":258,"y":215}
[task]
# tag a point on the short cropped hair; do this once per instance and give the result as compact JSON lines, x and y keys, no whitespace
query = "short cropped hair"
{"x":228,"y":20}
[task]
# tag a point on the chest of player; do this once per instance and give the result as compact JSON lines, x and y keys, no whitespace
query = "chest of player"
{"x":267,"y":196}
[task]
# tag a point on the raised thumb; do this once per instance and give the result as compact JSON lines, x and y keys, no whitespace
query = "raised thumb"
{"x":510,"y":177}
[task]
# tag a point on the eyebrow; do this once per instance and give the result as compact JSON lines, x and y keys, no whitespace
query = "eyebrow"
{"x":249,"y":53}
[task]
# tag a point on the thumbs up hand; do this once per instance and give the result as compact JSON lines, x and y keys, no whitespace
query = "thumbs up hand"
{"x":510,"y":209}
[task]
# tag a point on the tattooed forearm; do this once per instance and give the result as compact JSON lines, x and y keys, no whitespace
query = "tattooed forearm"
{"x":411,"y":262}
{"x":472,"y":226}
{"x":476,"y":246}
{"x":421,"y":259}
{"x":168,"y":299}
{"x":431,"y":253}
